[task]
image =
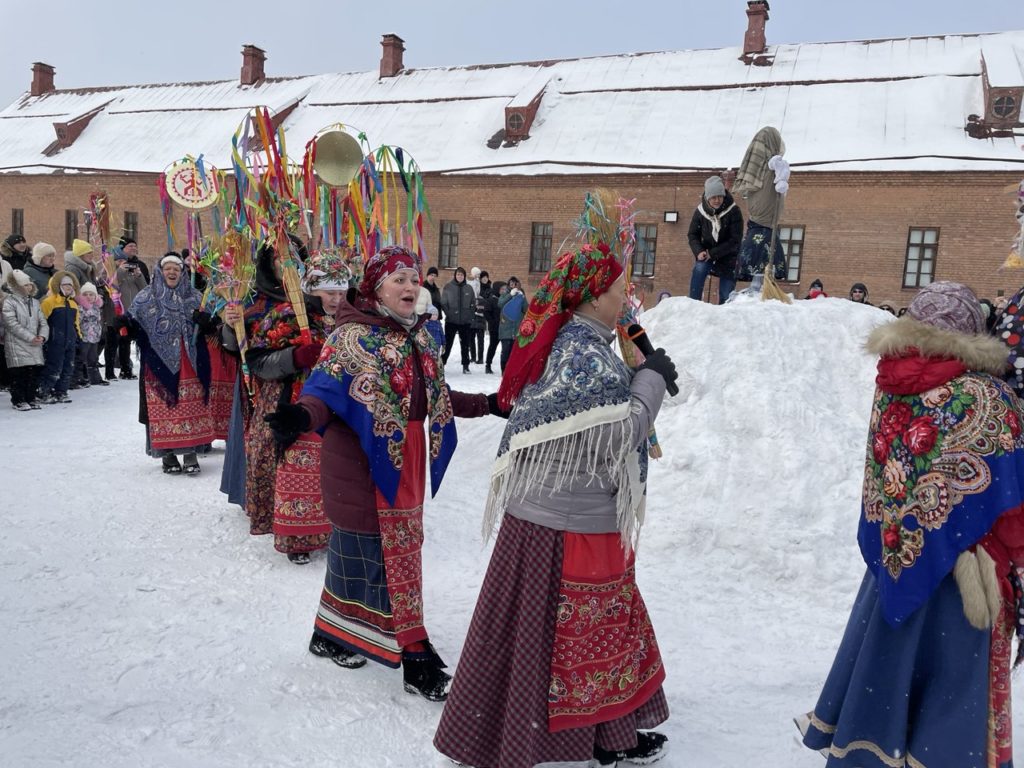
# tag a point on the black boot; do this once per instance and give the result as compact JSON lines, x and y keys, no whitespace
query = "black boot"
{"x":325,"y":649}
{"x":191,"y":464}
{"x":299,"y":558}
{"x":423,"y":674}
{"x":650,"y":748}
{"x":171,"y":465}
{"x":488,"y":370}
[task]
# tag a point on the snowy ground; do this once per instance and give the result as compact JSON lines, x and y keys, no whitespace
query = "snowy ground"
{"x":142,"y":626}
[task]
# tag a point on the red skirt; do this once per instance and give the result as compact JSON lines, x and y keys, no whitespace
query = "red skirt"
{"x":184,"y":425}
{"x":299,"y":521}
{"x":223,"y":372}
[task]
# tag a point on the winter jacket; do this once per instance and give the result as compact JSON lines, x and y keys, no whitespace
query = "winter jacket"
{"x":435,"y":298}
{"x":480,"y":306}
{"x":512,"y":307}
{"x":90,"y":319}
{"x":23,"y":320}
{"x":459,"y":303}
{"x":61,"y":313}
{"x":17,"y":259}
{"x":724,"y":249}
{"x":129,"y":283}
{"x":349,"y":493}
{"x":40,"y":276}
{"x":82,"y":271}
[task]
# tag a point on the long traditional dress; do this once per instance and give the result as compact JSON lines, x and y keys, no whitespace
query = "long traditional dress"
{"x":289,"y":505}
{"x":922,"y":677}
{"x":376,"y":388}
{"x":175,"y":381}
{"x":561,"y":655}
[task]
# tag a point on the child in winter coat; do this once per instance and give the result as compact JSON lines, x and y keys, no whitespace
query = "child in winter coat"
{"x":61,"y":312}
{"x":25,"y":331}
{"x":90,"y":322}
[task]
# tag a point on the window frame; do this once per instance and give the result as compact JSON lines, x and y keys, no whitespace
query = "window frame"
{"x":645,"y":257}
{"x":922,"y":258}
{"x":131,"y":225}
{"x":448,"y":244}
{"x":541,"y":236}
{"x":785,"y":243}
{"x":70,"y":227}
{"x":18,"y":221}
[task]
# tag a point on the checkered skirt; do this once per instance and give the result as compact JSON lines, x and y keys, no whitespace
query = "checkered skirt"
{"x":500,"y":691}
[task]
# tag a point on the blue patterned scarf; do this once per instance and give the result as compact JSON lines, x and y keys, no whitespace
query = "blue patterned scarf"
{"x":164,"y":317}
{"x":584,"y":386}
{"x":941,"y":467}
{"x":365,"y":375}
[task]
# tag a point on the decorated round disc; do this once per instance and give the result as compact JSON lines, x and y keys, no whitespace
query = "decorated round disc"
{"x":187,"y":188}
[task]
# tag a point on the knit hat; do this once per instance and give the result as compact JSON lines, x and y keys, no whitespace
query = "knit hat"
{"x":125,"y":240}
{"x":714,"y":187}
{"x":431,"y":271}
{"x":170,"y":257}
{"x":950,"y":306}
{"x":816,"y":283}
{"x":859,"y":287}
{"x":13,"y":240}
{"x":484,"y":273}
{"x":21,"y":278}
{"x":88,"y":288}
{"x":80,"y":248}
{"x":475,"y":272}
{"x":577,"y":277}
{"x":40,"y":251}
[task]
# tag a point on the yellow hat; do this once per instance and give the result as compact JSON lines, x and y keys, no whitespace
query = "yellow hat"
{"x":80,"y":248}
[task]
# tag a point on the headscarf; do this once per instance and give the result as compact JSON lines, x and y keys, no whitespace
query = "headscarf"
{"x":577,"y":277}
{"x":383,"y":264}
{"x":326,"y":270}
{"x":164,"y":315}
{"x":754,"y":169}
{"x":949,"y":306}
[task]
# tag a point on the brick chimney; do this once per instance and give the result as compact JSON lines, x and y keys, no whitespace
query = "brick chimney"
{"x":391,"y":58}
{"x":42,"y":79}
{"x":252,"y":64}
{"x":754,"y":40}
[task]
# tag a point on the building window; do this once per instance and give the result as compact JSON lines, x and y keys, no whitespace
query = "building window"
{"x":448,"y":252}
{"x":646,"y":248}
{"x":1004,"y":107}
{"x":18,"y":221}
{"x":70,"y":227}
{"x":131,"y":225}
{"x":922,"y":245}
{"x":540,"y":247}
{"x":792,"y":241}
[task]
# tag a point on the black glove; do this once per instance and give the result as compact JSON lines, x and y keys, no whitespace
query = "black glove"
{"x":206,"y":322}
{"x":287,"y":423}
{"x":661,"y":363}
{"x":494,"y":409}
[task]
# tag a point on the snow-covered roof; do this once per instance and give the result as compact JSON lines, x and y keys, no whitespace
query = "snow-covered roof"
{"x":887,"y":104}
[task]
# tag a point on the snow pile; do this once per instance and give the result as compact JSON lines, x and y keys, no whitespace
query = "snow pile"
{"x":142,"y":625}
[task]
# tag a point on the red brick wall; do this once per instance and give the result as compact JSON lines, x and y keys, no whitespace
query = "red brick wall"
{"x":856,"y":223}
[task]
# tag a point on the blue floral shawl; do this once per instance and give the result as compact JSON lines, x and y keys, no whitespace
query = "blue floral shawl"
{"x":365,"y":375}
{"x":941,"y":467}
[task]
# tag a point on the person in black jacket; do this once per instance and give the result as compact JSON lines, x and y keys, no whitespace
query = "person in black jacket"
{"x":430,"y":283}
{"x":715,"y":235}
{"x":459,"y":304}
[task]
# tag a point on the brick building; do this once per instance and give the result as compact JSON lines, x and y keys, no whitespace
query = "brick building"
{"x":903,"y":151}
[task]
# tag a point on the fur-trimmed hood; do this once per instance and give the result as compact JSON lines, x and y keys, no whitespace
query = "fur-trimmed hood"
{"x":978,"y":352}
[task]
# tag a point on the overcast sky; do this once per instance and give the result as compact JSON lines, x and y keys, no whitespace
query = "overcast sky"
{"x":113,"y":42}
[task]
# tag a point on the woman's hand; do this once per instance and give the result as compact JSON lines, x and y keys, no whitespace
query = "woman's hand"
{"x":232,"y":313}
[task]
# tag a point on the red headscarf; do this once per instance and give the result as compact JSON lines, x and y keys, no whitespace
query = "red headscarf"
{"x":577,"y":277}
{"x":384,"y":263}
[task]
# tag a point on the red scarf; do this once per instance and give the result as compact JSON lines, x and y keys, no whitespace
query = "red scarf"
{"x":911,"y":373}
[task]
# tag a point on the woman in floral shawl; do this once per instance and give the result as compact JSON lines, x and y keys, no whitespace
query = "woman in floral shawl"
{"x":283,"y":488}
{"x":378,"y":385}
{"x":922,"y":676}
{"x":561,"y":663}
{"x":175,"y":384}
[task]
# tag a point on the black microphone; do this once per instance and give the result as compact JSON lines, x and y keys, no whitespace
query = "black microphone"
{"x":639,"y":336}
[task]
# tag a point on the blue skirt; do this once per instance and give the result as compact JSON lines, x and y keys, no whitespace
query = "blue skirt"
{"x":232,"y":475}
{"x":912,"y":695}
{"x":754,"y":253}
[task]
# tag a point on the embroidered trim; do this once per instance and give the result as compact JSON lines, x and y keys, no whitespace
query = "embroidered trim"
{"x":877,"y":751}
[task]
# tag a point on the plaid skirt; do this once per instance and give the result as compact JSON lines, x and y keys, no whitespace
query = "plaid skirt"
{"x":501,"y":686}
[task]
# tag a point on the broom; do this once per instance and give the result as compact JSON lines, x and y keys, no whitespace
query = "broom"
{"x":770,"y":290}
